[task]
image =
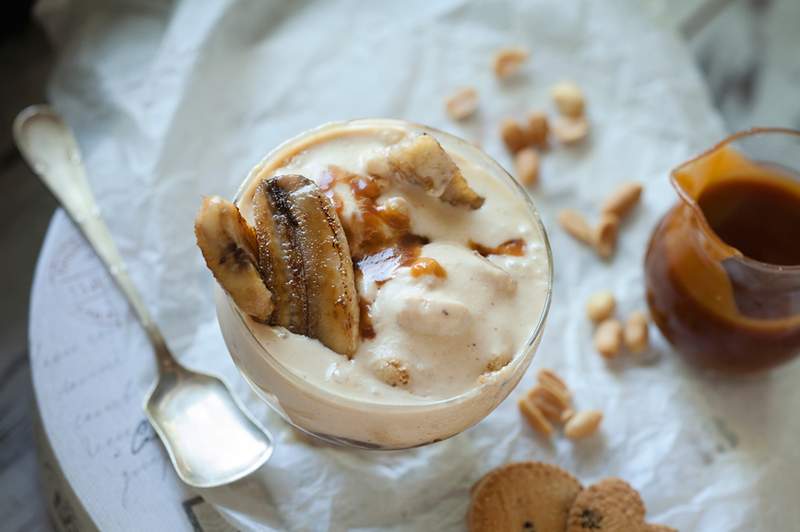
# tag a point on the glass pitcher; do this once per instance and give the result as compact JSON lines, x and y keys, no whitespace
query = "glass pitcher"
{"x":723,"y":266}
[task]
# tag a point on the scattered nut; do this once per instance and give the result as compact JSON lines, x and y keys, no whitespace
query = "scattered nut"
{"x":583,"y":424}
{"x":623,"y":199}
{"x":568,"y":98}
{"x":535,"y":417}
{"x":508,"y":61}
{"x":570,"y":130}
{"x":513,"y":135}
{"x":393,"y":372}
{"x":550,"y":379}
{"x":462,"y":104}
{"x":552,"y":395}
{"x":547,"y":402}
{"x":526,"y":162}
{"x":576,"y":225}
{"x":538,"y":129}
{"x":608,"y":338}
{"x":636,"y":333}
{"x":560,"y":397}
{"x":600,"y":306}
{"x":550,"y":403}
{"x":605,"y":235}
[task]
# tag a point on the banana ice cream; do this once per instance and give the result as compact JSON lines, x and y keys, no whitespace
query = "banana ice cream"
{"x":383,"y":284}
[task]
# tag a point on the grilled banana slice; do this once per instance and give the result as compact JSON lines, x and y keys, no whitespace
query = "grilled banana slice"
{"x":305,"y":258}
{"x":279,"y":257}
{"x":422,"y":161}
{"x":228,"y":245}
{"x":458,"y":192}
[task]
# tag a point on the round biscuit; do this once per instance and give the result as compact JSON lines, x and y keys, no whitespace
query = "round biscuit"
{"x":658,"y":528}
{"x":611,"y":505}
{"x":524,"y":496}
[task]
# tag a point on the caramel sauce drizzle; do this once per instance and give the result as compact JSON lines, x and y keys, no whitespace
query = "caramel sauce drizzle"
{"x":427,"y":266}
{"x":382,"y":242}
{"x":514,"y":247}
{"x":380,"y":266}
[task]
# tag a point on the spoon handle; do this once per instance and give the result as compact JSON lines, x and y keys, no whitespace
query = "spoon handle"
{"x":50,"y":149}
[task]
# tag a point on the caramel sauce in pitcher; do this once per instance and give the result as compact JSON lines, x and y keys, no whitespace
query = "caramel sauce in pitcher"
{"x":760,"y":218}
{"x":723,"y":266}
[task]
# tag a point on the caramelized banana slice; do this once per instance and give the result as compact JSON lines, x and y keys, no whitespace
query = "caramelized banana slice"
{"x":279,"y":258}
{"x":422,"y":161}
{"x":302,"y":239}
{"x":228,"y":245}
{"x":458,"y":192}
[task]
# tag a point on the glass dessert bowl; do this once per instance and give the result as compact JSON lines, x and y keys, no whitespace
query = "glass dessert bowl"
{"x":450,"y":279}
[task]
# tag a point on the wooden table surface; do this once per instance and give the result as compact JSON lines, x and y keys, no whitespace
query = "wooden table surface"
{"x":747,"y":50}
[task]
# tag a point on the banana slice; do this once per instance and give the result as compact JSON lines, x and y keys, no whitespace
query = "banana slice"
{"x":422,"y":161}
{"x":458,"y":192}
{"x":305,"y":257}
{"x":279,"y":258}
{"x":228,"y":245}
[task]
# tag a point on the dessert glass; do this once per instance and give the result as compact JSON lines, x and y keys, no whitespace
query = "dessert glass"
{"x":352,"y":422}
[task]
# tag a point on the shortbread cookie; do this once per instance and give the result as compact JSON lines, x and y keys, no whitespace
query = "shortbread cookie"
{"x":659,"y":528}
{"x":526,"y":496}
{"x":611,"y":505}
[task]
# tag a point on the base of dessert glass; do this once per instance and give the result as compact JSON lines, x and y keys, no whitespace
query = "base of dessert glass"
{"x":327,"y":438}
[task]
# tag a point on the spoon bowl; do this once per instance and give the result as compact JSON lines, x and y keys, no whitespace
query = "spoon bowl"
{"x":210,"y":441}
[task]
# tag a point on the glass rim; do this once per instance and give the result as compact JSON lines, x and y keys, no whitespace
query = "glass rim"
{"x":692,"y":203}
{"x":523,"y":355}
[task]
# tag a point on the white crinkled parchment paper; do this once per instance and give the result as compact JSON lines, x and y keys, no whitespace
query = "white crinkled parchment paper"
{"x":171,"y":101}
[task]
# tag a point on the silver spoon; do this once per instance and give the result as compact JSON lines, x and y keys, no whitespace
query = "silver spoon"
{"x":208,"y":435}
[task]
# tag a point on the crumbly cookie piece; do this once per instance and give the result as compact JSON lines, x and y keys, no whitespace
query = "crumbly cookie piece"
{"x":393,"y":372}
{"x":526,"y":496}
